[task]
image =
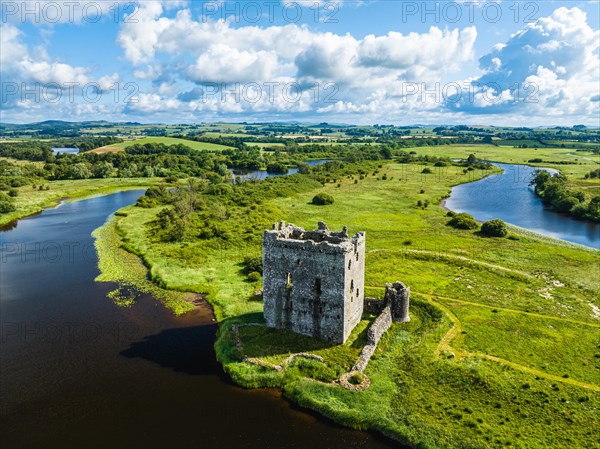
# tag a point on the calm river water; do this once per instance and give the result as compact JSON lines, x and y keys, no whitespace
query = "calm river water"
{"x":509,"y":197}
{"x":263,"y":174}
{"x":76,"y":371}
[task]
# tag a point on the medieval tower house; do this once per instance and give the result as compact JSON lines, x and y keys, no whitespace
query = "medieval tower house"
{"x":313,"y":280}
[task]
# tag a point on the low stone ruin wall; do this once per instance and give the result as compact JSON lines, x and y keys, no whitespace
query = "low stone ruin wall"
{"x":376,"y":330}
{"x":373,"y":306}
{"x":381,"y":324}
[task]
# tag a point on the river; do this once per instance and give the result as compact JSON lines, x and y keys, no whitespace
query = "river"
{"x":77,"y":371}
{"x":65,"y":150}
{"x":509,"y":197}
{"x":259,"y":175}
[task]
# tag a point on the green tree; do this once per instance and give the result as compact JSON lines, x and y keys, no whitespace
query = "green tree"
{"x":79,"y":171}
{"x":104,"y":170}
{"x":565,"y":204}
{"x":594,"y":208}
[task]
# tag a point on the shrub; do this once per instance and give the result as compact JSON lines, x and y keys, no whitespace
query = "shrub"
{"x":6,"y":207}
{"x":219,"y":189}
{"x":13,"y":192}
{"x":322,"y":199}
{"x":426,"y":171}
{"x":494,"y":228}
{"x":147,"y":202}
{"x":463,"y":221}
{"x":440,"y":164}
{"x":6,"y":203}
{"x":253,"y":264}
{"x":254,"y":276}
{"x":450,"y":213}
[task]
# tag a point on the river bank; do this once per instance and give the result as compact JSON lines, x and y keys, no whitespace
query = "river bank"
{"x":32,"y":201}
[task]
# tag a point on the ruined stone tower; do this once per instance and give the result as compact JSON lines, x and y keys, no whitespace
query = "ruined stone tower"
{"x":313,"y":280}
{"x":397,"y":295}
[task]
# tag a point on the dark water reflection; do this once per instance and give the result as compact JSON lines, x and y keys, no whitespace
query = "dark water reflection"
{"x":509,"y":197}
{"x":76,"y":371}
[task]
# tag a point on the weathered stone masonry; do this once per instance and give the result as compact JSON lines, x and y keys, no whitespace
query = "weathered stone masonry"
{"x":393,"y":308}
{"x":313,"y":280}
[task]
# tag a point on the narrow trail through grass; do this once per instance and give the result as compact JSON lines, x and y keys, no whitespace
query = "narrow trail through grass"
{"x":457,"y":328}
{"x":461,"y":258}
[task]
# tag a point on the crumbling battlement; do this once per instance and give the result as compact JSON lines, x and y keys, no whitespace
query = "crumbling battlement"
{"x":397,"y":297}
{"x":313,"y":280}
{"x":281,"y":231}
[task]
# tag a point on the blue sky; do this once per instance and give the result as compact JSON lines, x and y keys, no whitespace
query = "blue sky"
{"x":397,"y":62}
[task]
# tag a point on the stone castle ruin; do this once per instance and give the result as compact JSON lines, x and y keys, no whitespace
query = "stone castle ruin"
{"x":313,"y":283}
{"x":313,"y":280}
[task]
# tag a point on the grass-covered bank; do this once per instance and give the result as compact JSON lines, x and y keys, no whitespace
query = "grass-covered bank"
{"x":32,"y":200}
{"x":124,"y":268}
{"x":459,"y":375}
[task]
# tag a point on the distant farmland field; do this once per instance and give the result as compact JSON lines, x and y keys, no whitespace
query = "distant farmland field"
{"x":200,"y":146}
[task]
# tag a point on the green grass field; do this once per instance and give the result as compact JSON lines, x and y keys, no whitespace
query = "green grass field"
{"x":200,"y":146}
{"x":502,"y":349}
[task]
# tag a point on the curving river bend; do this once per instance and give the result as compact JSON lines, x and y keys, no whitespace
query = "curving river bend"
{"x":508,"y":196}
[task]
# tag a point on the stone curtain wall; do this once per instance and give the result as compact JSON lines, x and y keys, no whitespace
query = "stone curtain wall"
{"x":394,"y":308}
{"x":381,"y":324}
{"x":373,"y":306}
